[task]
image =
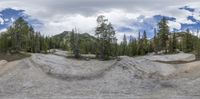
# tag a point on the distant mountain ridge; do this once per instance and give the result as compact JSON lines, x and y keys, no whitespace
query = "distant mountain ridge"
{"x":66,"y":35}
{"x":86,"y":41}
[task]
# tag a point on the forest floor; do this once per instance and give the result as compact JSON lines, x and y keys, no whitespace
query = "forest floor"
{"x":54,"y":76}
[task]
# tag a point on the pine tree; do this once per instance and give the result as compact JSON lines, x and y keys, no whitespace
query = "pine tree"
{"x":197,"y":41}
{"x":115,"y":48}
{"x":139,"y":45}
{"x":20,"y":36}
{"x":163,"y":34}
{"x":105,"y":34}
{"x":129,"y":46}
{"x":174,"y":43}
{"x":155,"y":41}
{"x":124,"y":45}
{"x":188,"y":42}
{"x":4,"y":42}
{"x":145,"y":43}
{"x":74,"y":43}
{"x":132,"y":46}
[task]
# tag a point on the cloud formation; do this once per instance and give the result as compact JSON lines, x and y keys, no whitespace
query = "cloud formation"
{"x":127,"y":16}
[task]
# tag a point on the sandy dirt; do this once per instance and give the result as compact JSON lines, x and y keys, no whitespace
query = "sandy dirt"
{"x":56,"y":77}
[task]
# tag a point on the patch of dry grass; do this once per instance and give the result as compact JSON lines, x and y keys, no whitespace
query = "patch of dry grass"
{"x":13,"y":57}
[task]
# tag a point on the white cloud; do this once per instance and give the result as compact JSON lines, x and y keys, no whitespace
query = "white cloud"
{"x":6,"y":19}
{"x":1,"y":21}
{"x":12,"y":19}
{"x":3,"y":30}
{"x":174,"y":25}
{"x":60,"y":23}
{"x":61,"y":15}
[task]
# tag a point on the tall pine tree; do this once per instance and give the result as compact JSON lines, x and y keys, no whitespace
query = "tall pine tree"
{"x":163,"y":35}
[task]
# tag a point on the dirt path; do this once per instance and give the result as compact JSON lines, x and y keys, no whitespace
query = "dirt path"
{"x":8,"y":67}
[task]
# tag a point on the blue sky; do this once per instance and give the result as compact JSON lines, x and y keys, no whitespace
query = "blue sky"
{"x":8,"y":16}
{"x":51,"y":17}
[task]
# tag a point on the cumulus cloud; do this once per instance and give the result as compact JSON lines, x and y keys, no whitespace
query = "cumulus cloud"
{"x":174,"y":25}
{"x":1,"y":21}
{"x":62,"y":23}
{"x":127,"y":16}
{"x":3,"y":30}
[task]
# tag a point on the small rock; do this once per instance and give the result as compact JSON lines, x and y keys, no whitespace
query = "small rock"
{"x":118,"y":59}
{"x":87,"y":59}
{"x":3,"y":62}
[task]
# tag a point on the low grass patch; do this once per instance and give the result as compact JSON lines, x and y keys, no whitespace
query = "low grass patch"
{"x":13,"y":57}
{"x":88,"y":57}
{"x":175,"y":62}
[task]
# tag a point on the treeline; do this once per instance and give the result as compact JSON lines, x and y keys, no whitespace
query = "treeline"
{"x":86,"y":42}
{"x":21,"y":37}
{"x":135,"y":46}
{"x":163,"y":42}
